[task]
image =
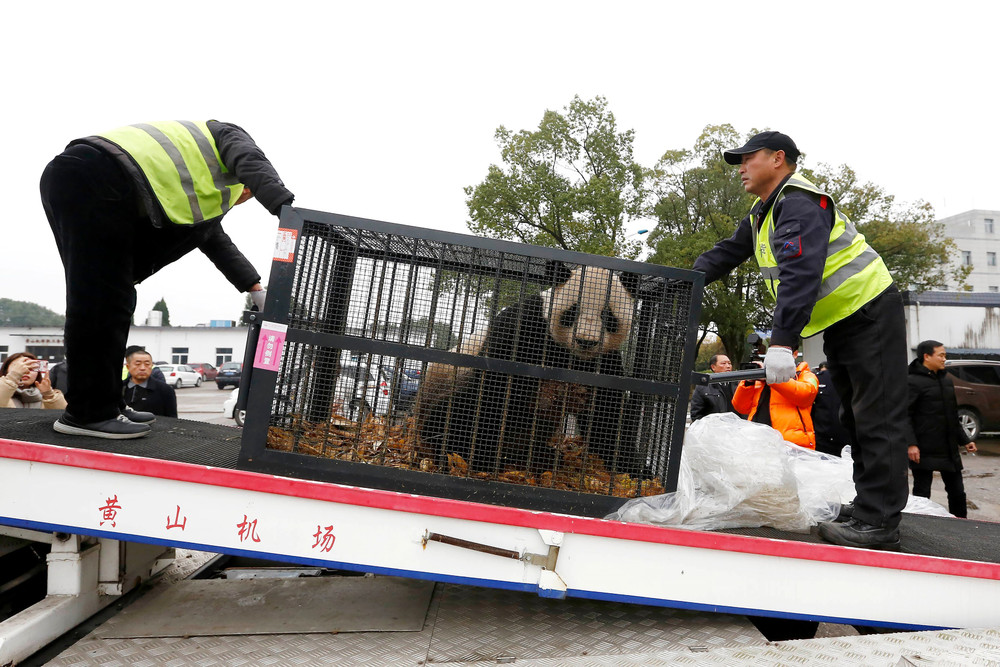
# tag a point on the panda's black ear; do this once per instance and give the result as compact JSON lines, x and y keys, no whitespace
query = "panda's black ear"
{"x":556,"y":273}
{"x":631,"y":282}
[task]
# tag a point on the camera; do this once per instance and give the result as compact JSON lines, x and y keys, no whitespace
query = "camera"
{"x":757,"y":352}
{"x":43,"y":367}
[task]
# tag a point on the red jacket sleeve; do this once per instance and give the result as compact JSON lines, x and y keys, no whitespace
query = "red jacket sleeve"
{"x":745,"y":398}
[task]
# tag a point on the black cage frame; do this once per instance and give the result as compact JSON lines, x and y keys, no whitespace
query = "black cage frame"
{"x":350,"y":238}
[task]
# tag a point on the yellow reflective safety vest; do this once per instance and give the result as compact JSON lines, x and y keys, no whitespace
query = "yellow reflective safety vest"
{"x":181,"y":162}
{"x":853,"y":275}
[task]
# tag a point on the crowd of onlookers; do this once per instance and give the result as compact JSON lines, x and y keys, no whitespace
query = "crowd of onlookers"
{"x":28,"y":382}
{"x":807,"y":411}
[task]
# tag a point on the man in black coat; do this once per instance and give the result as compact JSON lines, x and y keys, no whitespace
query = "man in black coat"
{"x":935,"y":427}
{"x":709,"y":399}
{"x":143,"y":392}
{"x":831,"y":436}
{"x":122,"y":205}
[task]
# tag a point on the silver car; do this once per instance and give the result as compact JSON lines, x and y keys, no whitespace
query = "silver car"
{"x":180,"y":375}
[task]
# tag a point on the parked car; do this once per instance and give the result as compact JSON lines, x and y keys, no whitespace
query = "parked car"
{"x":229,"y":408}
{"x":977,"y":391}
{"x":180,"y":375}
{"x":229,"y":375}
{"x":405,"y":389}
{"x":362,"y":390}
{"x":207,"y":371}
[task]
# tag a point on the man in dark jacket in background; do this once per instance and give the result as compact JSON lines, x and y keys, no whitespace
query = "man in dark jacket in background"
{"x":831,"y":436}
{"x":122,"y":205}
{"x":143,"y":392}
{"x":935,"y":427}
{"x":710,"y":399}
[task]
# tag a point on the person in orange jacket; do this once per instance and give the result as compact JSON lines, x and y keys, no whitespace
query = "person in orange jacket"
{"x":787,"y":406}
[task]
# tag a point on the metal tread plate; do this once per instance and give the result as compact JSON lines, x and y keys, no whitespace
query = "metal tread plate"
{"x":463,"y":624}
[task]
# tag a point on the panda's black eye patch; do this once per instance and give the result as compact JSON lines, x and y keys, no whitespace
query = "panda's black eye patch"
{"x":610,"y":320}
{"x":568,"y":317}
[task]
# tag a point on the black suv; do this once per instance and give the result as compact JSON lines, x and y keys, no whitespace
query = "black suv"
{"x":229,"y":375}
{"x":977,"y":390}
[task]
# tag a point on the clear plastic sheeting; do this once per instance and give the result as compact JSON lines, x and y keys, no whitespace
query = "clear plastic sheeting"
{"x":738,"y":474}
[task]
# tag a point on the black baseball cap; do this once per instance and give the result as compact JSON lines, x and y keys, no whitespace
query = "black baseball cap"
{"x":775,"y":141}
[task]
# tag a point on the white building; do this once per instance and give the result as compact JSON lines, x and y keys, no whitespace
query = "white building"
{"x":178,"y":345}
{"x":977,"y":235}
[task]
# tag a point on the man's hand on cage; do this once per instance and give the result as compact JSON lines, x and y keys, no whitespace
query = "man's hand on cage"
{"x":779,"y":364}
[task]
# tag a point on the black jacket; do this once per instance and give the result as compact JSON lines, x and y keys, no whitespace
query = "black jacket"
{"x":710,"y":399}
{"x":164,"y":242}
{"x":831,"y":436}
{"x":156,"y":397}
{"x":802,"y":222}
{"x":934,"y":419}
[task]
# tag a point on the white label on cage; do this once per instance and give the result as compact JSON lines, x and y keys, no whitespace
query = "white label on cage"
{"x":284,"y":245}
{"x":269,"y":346}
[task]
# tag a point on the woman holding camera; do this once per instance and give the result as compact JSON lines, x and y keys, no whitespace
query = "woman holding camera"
{"x":23,"y":386}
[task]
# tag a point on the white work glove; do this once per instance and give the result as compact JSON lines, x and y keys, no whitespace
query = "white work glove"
{"x":258,"y":298}
{"x":779,"y":364}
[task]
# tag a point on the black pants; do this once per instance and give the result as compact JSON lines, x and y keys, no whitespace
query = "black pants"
{"x":953,"y":485}
{"x":867,"y":357}
{"x":91,"y":207}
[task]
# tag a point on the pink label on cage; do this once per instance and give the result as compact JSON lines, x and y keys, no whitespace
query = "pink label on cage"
{"x":269,"y":346}
{"x":284,"y":245}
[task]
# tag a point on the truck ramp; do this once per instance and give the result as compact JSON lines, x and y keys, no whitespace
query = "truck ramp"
{"x":181,"y":487}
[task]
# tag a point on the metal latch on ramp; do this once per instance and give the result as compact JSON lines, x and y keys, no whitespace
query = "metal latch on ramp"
{"x":549,"y":583}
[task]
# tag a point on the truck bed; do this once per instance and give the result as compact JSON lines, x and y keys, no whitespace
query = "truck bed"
{"x":181,"y":487}
{"x":218,"y":446}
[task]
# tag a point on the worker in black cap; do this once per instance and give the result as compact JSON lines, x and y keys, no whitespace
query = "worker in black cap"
{"x":824,"y":277}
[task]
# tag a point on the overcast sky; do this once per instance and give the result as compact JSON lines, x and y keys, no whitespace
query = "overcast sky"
{"x":387,"y":110}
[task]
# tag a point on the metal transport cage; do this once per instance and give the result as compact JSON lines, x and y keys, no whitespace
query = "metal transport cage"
{"x":454,"y":366}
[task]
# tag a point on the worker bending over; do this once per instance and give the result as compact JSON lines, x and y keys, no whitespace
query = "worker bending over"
{"x":122,"y":205}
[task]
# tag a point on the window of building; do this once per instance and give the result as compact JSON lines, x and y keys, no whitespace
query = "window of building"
{"x":222,"y":355}
{"x":991,"y":259}
{"x":988,"y":225}
{"x":994,"y":288}
{"x":966,"y":258}
{"x":178,"y":355}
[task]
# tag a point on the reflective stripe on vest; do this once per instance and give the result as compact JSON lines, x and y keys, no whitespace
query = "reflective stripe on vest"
{"x":182,"y":164}
{"x":853,"y":274}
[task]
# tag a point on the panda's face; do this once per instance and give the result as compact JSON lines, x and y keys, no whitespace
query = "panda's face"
{"x":591,"y":313}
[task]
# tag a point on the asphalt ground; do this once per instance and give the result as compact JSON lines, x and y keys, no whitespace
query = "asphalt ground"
{"x":204,"y":403}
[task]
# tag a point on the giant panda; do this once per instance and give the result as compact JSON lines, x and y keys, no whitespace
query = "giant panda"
{"x":498,"y":421}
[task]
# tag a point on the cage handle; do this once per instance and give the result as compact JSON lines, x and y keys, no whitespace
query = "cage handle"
{"x":252,"y":320}
{"x":729,"y":376}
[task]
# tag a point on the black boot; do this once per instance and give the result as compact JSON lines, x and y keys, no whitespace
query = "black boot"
{"x":857,"y":533}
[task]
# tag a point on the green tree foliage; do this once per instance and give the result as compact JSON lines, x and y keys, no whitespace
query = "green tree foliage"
{"x":26,"y":314}
{"x":914,"y":246}
{"x":572,"y":183}
{"x":161,"y":306}
{"x":698,"y":200}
